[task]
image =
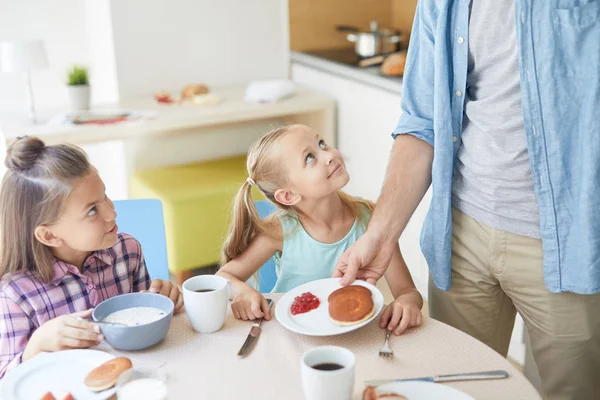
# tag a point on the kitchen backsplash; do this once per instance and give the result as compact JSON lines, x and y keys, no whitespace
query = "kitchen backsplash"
{"x":313,"y":22}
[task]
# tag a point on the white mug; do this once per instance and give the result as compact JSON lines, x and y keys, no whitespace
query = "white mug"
{"x":321,"y":384}
{"x":206,"y":309}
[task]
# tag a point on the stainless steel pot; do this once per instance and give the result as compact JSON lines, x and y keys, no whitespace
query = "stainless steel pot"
{"x":373,"y":42}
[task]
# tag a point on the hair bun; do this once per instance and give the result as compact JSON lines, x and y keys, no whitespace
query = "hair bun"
{"x":23,"y":153}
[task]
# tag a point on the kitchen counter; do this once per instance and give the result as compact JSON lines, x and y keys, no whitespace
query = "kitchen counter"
{"x":339,"y":63}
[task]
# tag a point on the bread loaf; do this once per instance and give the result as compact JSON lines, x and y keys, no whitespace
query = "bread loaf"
{"x":394,"y":64}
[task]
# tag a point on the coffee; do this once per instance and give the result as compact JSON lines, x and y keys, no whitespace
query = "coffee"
{"x":204,"y":290}
{"x":328,"y":366}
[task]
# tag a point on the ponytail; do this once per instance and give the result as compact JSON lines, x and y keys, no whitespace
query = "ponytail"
{"x":245,"y":224}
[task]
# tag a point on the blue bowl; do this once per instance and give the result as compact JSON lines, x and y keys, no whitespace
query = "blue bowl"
{"x":140,"y":336}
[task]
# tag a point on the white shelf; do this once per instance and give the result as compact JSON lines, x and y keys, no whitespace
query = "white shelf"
{"x":170,"y":118}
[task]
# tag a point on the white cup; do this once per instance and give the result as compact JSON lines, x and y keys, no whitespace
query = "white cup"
{"x":321,"y":384}
{"x":206,"y":310}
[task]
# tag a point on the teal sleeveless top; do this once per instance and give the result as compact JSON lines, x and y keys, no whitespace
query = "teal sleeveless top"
{"x":303,"y":259}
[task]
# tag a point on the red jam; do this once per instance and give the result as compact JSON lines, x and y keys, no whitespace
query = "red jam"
{"x":304,"y":303}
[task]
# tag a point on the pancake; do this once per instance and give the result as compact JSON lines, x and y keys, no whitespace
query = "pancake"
{"x":347,"y":289}
{"x":351,"y":305}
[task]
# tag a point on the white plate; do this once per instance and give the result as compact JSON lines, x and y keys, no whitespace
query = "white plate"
{"x":58,"y":373}
{"x":416,"y":390}
{"x":317,"y":322}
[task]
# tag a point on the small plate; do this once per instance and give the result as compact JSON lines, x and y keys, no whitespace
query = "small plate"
{"x":58,"y":373}
{"x":415,"y":390}
{"x":317,"y":322}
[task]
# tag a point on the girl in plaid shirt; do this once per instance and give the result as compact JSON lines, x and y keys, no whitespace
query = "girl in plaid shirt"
{"x":61,"y":253}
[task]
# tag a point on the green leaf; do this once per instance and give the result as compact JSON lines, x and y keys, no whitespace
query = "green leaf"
{"x":77,"y":75}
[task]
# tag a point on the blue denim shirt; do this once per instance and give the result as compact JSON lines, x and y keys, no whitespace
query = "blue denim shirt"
{"x":559,"y":62}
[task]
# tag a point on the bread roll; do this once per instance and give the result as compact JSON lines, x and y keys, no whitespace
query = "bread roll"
{"x":370,"y":393}
{"x":394,"y":64}
{"x":105,"y":376}
{"x":192,"y":90}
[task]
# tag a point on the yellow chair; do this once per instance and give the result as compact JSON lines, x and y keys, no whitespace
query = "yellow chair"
{"x":197,"y":200}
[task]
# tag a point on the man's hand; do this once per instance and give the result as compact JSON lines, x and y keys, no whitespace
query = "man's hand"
{"x":366,"y":259}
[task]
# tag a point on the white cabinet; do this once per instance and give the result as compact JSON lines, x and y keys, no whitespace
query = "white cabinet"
{"x":366,"y":117}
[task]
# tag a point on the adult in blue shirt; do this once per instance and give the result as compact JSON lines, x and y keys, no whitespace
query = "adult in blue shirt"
{"x":501,"y":115}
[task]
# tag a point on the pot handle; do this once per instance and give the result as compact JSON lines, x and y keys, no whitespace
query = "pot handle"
{"x":346,"y":28}
{"x":352,"y":37}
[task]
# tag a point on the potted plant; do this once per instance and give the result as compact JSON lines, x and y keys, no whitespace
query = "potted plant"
{"x":79,"y":88}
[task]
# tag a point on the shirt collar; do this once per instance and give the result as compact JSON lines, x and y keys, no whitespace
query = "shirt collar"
{"x":62,"y":268}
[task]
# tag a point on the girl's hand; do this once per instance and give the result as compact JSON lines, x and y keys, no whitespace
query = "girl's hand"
{"x":166,"y":288}
{"x":399,"y":316}
{"x":250,"y":305}
{"x":69,"y":331}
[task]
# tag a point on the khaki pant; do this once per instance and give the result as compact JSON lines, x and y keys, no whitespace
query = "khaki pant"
{"x":496,"y":274}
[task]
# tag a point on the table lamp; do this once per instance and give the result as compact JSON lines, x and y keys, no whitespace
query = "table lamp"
{"x":24,"y":57}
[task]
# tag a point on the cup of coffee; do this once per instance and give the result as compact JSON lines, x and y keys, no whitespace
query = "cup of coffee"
{"x":206,"y":298}
{"x":328,"y":373}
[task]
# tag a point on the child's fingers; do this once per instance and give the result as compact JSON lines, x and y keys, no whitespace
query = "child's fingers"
{"x":243,"y":314}
{"x":397,"y":313}
{"x":265,"y":309}
{"x":255,"y":311}
{"x":174,"y":293}
{"x":81,"y":323}
{"x":419,"y":319}
{"x":83,"y":314}
{"x":235,"y":311}
{"x":155,"y":286}
{"x":403,"y":322}
{"x":179,"y":303}
{"x":70,"y":343}
{"x":415,"y":318}
{"x":165,"y":289}
{"x":385,"y":316}
{"x":81,"y":334}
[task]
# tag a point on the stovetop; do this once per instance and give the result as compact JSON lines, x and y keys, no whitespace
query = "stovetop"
{"x":344,"y":56}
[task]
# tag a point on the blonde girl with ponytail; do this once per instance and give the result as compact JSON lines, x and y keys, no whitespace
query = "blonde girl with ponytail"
{"x":316,"y":222}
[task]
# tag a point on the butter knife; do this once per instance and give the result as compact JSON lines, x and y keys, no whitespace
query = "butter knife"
{"x":445,"y":378}
{"x":253,"y":335}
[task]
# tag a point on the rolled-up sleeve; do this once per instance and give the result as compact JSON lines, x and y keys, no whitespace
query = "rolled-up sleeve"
{"x":15,"y":329}
{"x":417,"y":88}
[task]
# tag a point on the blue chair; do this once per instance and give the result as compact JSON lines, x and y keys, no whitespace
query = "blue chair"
{"x":143,"y":219}
{"x":266,"y":275}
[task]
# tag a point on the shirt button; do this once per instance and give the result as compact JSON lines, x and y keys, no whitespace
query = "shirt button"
{"x":454,"y":139}
{"x":458,"y":93}
{"x":461,"y":40}
{"x":522,"y":17}
{"x":90,"y":286}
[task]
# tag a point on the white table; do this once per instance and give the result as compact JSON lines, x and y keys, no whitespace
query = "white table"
{"x":207,"y":366}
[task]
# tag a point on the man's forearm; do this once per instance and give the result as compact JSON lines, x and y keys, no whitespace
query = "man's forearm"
{"x":407,"y":178}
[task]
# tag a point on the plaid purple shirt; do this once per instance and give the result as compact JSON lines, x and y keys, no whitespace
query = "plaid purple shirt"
{"x":26,"y":303}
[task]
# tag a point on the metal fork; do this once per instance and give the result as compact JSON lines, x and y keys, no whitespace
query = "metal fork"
{"x":386,"y":350}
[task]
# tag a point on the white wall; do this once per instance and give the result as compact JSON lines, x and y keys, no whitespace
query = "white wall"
{"x":61,"y":24}
{"x":137,"y":47}
{"x":166,"y":44}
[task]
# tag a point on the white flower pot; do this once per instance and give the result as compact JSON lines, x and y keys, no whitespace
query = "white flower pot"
{"x":79,"y":97}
